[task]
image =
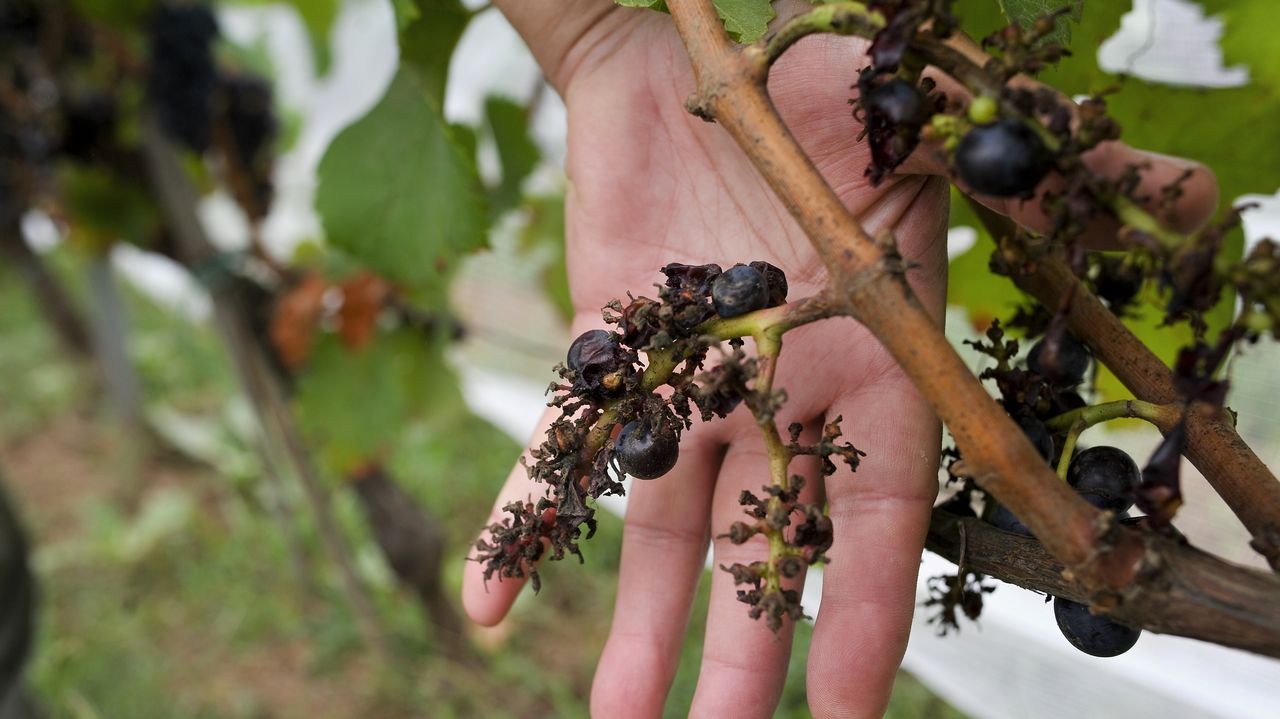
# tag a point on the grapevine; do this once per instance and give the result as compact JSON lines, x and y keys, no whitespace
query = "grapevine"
{"x":1001,"y":137}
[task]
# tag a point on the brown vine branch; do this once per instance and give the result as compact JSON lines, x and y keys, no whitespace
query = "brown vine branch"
{"x":731,"y":90}
{"x":1189,"y":594}
{"x":1231,"y":467}
{"x":1139,"y":573}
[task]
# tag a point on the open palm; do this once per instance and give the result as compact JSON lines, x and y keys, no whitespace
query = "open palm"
{"x":651,"y":184}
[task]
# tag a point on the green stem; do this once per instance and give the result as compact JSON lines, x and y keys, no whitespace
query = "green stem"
{"x":1077,"y":421}
{"x":841,"y":18}
{"x":1163,"y":416}
{"x":1128,"y":212}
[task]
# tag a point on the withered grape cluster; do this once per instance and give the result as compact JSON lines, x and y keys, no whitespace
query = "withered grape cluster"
{"x":1105,"y":477}
{"x":624,"y":415}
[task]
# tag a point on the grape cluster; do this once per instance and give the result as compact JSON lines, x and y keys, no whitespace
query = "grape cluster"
{"x":614,"y":421}
{"x":1105,"y":477}
{"x":247,"y":109}
{"x":182,"y":79}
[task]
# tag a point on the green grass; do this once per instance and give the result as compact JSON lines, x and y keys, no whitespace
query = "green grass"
{"x":187,"y":603}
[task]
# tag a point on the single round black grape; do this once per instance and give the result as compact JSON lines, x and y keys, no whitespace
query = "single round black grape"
{"x":1003,"y":159}
{"x":739,"y":290}
{"x":1105,"y":476}
{"x":896,"y":102}
{"x":1038,"y":434}
{"x":646,"y":453}
{"x":1002,"y":518}
{"x":1066,"y":367}
{"x":1093,"y":634}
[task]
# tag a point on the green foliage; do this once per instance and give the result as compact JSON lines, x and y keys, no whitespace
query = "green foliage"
{"x":509,"y":123}
{"x":354,"y":403}
{"x":746,"y":20}
{"x":545,"y":230}
{"x":397,"y":192}
{"x":119,"y":13}
{"x":1026,"y":12}
{"x":105,"y":208}
{"x":317,"y":17}
{"x":429,"y":31}
{"x":1248,"y":37}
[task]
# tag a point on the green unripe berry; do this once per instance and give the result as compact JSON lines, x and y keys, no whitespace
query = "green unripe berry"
{"x":983,"y":110}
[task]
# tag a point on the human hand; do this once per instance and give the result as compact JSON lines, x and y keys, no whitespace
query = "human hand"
{"x":651,"y":184}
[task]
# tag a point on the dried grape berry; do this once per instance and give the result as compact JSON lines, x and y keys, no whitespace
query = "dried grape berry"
{"x":1003,"y":159}
{"x":645,"y":452}
{"x":1093,"y":634}
{"x":1106,"y":477}
{"x":1064,"y":365}
{"x":741,"y":289}
{"x":775,"y":279}
{"x":597,"y":362}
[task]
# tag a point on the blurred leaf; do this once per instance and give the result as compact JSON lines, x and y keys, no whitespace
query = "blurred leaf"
{"x":545,"y":232}
{"x":1232,"y":130}
{"x":105,"y":208}
{"x":353,"y":404}
{"x":1248,"y":37}
{"x":296,"y":319}
{"x":429,"y":31}
{"x":397,"y":192}
{"x":127,"y":14}
{"x":317,"y":17}
{"x":971,"y":284}
{"x":745,"y":20}
{"x":1026,"y":12}
{"x":519,"y":154}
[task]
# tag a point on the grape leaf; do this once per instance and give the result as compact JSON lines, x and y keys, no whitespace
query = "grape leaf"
{"x":352,"y":405}
{"x":517,"y":152}
{"x":317,"y":17}
{"x":1248,"y":37}
{"x":429,"y":32}
{"x":396,"y":190}
{"x":544,"y":233}
{"x":745,"y":20}
{"x":1026,"y":12}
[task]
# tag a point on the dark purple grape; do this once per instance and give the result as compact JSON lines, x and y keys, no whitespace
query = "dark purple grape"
{"x":89,"y":125}
{"x":1066,"y":366}
{"x":896,"y":102}
{"x":644,"y":452}
{"x":1002,"y":518}
{"x":1003,"y":159}
{"x":1105,"y":476}
{"x":893,"y":113}
{"x":1093,"y":634}
{"x":741,"y":289}
{"x":1038,"y":434}
{"x":775,"y":279}
{"x":181,"y":77}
